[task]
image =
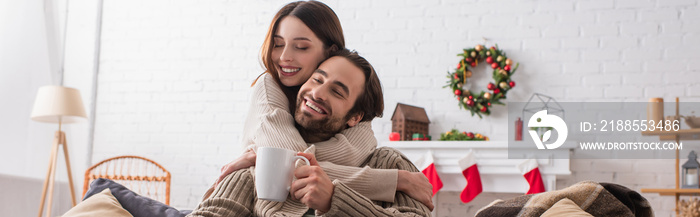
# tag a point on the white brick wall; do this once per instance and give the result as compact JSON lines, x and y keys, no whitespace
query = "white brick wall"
{"x":175,"y":75}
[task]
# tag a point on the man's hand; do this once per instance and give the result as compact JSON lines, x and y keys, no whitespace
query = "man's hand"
{"x":313,"y":188}
{"x":417,"y":186}
{"x":244,"y":161}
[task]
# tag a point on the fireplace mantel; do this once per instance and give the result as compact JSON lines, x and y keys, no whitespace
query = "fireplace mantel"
{"x":498,"y":173}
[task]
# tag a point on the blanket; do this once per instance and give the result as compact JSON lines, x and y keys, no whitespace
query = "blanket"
{"x":598,"y":199}
{"x":137,"y":205}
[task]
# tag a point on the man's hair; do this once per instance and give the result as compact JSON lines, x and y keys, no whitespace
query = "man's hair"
{"x":370,"y":103}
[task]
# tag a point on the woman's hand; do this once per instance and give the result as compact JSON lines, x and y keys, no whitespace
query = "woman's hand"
{"x":244,"y":161}
{"x":417,"y":186}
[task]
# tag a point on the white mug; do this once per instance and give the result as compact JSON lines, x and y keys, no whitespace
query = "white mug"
{"x":274,"y":168}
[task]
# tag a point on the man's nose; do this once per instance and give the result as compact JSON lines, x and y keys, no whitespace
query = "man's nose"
{"x":319,"y":93}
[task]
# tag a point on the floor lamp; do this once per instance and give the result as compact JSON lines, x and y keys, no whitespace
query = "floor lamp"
{"x":62,"y":105}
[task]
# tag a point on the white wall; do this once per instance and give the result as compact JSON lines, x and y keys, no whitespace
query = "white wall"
{"x":175,"y":75}
{"x":79,"y":74}
{"x":25,"y":67}
{"x":32,"y":34}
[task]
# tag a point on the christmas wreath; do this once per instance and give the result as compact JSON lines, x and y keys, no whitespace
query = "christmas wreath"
{"x":480,"y":103}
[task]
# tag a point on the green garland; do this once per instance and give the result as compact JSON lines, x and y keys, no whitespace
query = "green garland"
{"x":480,"y":103}
{"x":454,"y":135}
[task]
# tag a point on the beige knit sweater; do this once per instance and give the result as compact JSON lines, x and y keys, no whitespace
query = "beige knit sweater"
{"x":270,"y":124}
{"x":236,"y":196}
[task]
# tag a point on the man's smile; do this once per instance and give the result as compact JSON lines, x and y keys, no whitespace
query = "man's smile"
{"x":314,"y":107}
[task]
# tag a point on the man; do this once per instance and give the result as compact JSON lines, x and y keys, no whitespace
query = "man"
{"x":341,"y":93}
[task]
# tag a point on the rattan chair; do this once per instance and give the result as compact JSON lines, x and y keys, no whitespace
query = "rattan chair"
{"x":139,"y":174}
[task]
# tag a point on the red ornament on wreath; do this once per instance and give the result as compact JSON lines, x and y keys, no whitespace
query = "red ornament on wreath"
{"x":502,"y":83}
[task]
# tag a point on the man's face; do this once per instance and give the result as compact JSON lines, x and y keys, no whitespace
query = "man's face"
{"x":326,"y":98}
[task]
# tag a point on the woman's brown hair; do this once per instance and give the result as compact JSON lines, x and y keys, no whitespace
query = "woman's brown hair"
{"x":320,"y":18}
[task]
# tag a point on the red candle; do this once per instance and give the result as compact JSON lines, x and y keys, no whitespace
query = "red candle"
{"x":518,"y":130}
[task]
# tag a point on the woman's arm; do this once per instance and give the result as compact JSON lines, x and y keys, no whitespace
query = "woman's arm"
{"x":414,"y":184}
{"x":376,"y":184}
{"x":269,"y":123}
{"x":350,"y":147}
{"x":312,"y":188}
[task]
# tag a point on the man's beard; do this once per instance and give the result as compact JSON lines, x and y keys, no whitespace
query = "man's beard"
{"x":317,"y":130}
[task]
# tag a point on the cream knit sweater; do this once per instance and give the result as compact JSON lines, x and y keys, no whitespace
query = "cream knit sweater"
{"x":270,"y":124}
{"x":235,"y":196}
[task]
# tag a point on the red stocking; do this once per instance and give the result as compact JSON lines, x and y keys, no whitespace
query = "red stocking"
{"x":471,"y":173}
{"x":531,"y":171}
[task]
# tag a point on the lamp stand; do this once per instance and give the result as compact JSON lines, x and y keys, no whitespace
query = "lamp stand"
{"x":59,"y":139}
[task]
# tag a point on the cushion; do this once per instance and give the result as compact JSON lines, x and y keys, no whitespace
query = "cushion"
{"x":565,"y":207}
{"x":101,"y":204}
{"x":137,"y":205}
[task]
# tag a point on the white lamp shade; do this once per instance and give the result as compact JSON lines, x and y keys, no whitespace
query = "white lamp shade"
{"x":58,"y":104}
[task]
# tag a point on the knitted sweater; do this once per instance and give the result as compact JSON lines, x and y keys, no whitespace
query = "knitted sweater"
{"x":270,"y":124}
{"x":236,"y":196}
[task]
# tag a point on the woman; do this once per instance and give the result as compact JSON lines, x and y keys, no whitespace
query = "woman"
{"x":300,"y":37}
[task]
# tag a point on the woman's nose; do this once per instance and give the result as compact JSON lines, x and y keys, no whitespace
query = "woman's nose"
{"x":286,"y":54}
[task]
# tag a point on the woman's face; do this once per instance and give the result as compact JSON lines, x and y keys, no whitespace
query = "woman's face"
{"x":296,"y":52}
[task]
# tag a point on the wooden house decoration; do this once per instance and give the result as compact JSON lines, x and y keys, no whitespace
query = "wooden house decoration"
{"x":408,"y":120}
